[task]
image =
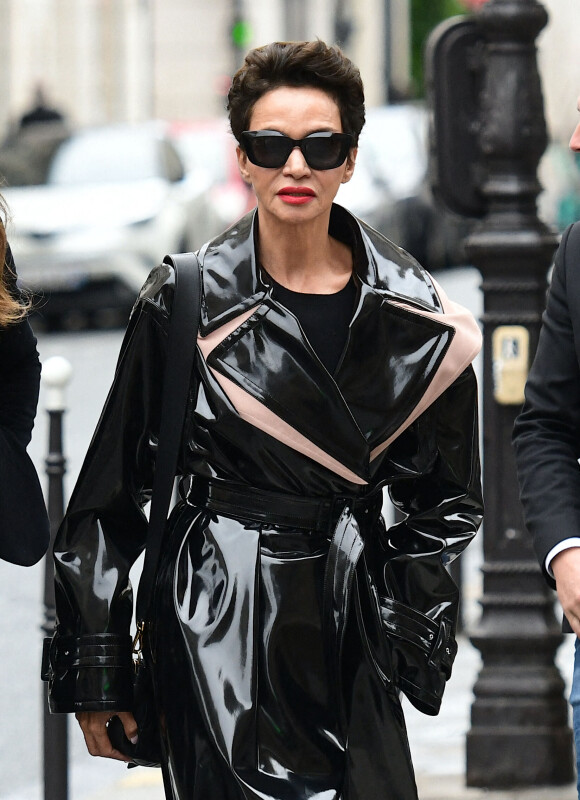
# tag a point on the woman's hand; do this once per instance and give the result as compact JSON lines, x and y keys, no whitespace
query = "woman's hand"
{"x":94,"y":727}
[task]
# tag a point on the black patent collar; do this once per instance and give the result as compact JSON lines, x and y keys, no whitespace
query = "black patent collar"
{"x":233,"y":281}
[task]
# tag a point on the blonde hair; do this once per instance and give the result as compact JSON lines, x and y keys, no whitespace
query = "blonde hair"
{"x":12,"y":309}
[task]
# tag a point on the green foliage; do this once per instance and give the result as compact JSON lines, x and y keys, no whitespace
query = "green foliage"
{"x":425,"y":15}
{"x":241,"y":34}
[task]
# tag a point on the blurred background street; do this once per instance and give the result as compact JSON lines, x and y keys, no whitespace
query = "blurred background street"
{"x":114,"y":145}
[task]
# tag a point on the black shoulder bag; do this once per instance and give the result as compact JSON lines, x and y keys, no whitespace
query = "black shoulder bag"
{"x":181,"y":345}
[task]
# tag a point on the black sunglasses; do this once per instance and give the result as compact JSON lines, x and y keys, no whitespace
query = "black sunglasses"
{"x":270,"y":149}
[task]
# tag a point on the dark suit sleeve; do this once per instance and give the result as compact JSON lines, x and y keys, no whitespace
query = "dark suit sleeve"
{"x":547,"y":431}
{"x":19,"y":373}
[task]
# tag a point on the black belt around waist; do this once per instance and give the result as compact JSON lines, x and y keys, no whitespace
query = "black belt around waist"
{"x":276,"y":508}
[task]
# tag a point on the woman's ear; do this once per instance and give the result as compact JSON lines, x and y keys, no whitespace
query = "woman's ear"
{"x":243,"y":165}
{"x":349,"y":165}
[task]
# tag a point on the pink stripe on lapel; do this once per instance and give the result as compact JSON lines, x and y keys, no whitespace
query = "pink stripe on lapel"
{"x":208,"y":343}
{"x":465,"y":345}
{"x":254,"y":412}
{"x":257,"y":414}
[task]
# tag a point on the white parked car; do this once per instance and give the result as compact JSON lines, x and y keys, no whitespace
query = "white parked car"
{"x":208,"y":149}
{"x":115,"y":200}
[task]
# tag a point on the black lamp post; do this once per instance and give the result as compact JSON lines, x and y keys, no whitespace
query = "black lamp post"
{"x":519,"y":708}
{"x":519,"y":732}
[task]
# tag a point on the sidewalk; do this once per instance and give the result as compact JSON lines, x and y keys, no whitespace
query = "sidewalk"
{"x":147,"y":786}
{"x":453,"y":788}
{"x":437,"y":744}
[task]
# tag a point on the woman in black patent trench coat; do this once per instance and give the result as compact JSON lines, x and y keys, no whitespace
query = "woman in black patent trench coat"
{"x":265,"y":645}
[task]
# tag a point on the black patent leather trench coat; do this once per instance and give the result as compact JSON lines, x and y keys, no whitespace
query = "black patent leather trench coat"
{"x":268,"y":680}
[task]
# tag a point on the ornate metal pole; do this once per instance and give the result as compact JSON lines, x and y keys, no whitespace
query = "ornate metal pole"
{"x":56,"y":373}
{"x":519,"y":732}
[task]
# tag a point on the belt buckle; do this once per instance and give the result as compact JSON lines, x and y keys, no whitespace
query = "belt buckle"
{"x":363,"y":505}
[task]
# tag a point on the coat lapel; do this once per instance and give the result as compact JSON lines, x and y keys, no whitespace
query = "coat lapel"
{"x":231,"y":278}
{"x":380,"y":391}
{"x":269,"y":358}
{"x":258,"y":353}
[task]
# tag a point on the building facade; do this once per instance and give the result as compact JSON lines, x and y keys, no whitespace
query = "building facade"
{"x":104,"y":60}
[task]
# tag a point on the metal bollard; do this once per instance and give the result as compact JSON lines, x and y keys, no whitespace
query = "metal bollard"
{"x":56,"y":373}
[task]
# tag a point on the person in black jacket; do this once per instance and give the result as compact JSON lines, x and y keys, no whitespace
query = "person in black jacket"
{"x":328,"y":365}
{"x":547,"y":441}
{"x":24,"y":529}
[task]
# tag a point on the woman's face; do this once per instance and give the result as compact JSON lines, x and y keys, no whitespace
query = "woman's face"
{"x":295,"y":193}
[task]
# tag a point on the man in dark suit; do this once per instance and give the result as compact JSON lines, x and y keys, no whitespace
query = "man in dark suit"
{"x":547,"y":442}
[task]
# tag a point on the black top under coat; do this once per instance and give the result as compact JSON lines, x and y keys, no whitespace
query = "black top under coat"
{"x":324,"y":318}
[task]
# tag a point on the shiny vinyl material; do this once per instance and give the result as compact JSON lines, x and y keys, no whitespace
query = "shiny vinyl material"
{"x":276,"y":679}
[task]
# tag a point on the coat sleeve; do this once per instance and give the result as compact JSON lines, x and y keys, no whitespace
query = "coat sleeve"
{"x":547,"y":431}
{"x":19,"y":372}
{"x":104,"y":530}
{"x":438,"y":488}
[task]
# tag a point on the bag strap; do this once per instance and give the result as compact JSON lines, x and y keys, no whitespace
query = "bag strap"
{"x":181,"y":346}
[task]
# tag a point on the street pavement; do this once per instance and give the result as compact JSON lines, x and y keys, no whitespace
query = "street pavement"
{"x":437,"y":743}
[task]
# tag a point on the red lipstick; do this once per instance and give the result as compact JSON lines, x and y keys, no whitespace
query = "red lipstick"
{"x":296,"y":195}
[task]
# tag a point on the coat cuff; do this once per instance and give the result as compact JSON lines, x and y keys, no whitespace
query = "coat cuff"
{"x":93,"y":672}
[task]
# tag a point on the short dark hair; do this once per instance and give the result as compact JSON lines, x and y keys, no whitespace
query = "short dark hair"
{"x":297,"y":64}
